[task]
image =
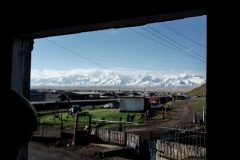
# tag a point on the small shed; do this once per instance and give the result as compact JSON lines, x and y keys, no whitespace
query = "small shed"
{"x":132,"y":104}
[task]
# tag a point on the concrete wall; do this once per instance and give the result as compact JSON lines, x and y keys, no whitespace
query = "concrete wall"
{"x":131,"y":104}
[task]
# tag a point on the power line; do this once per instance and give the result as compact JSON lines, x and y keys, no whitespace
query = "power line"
{"x":175,"y":41}
{"x":166,"y":45}
{"x":186,"y":37}
{"x":134,"y":65}
{"x":156,"y":41}
{"x":75,"y":53}
{"x":87,"y":59}
{"x":172,"y":44}
{"x":91,"y":61}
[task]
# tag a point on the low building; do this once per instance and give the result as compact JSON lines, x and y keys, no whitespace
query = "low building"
{"x":157,"y":102}
{"x":180,"y":97}
{"x":79,"y":96}
{"x":133,"y":104}
{"x":160,"y":99}
{"x":36,"y":95}
{"x":52,"y":96}
{"x":109,"y":95}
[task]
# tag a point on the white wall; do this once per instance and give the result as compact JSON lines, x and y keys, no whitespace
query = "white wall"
{"x":131,"y":104}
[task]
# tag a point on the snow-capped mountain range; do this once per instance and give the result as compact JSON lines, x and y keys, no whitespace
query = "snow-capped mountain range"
{"x":94,"y":77}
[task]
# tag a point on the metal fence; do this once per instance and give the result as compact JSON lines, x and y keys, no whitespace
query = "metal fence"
{"x":181,"y":143}
{"x":173,"y":142}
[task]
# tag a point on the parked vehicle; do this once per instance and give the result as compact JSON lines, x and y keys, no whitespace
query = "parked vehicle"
{"x":109,"y":105}
{"x":74,"y":109}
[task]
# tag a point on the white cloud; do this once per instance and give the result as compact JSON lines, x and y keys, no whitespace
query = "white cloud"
{"x":119,"y":76}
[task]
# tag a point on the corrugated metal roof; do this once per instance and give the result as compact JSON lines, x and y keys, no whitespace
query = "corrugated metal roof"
{"x":83,"y":93}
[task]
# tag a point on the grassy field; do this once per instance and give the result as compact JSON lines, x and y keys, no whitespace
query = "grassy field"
{"x":107,"y":114}
{"x":198,"y":103}
{"x":114,"y":114}
{"x":199,"y":91}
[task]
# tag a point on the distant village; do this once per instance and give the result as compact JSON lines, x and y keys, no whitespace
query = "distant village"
{"x":130,"y":119}
{"x":124,"y":100}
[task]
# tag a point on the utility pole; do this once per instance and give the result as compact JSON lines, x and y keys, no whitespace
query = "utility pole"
{"x":203,"y":113}
{"x":144,"y":91}
{"x":75,"y":130}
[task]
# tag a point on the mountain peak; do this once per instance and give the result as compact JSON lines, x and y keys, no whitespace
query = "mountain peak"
{"x":105,"y":78}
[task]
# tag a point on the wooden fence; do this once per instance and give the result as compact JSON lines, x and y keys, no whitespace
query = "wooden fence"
{"x":115,"y":137}
{"x":173,"y":150}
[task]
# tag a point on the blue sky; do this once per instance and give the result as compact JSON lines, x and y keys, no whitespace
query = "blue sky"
{"x":145,"y":47}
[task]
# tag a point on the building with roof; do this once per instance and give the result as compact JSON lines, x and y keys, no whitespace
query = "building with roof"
{"x":79,"y":96}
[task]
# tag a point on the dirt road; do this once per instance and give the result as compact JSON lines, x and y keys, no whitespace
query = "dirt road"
{"x":38,"y":151}
{"x":179,"y":115}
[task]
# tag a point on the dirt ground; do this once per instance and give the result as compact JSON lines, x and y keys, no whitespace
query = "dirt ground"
{"x":178,"y":116}
{"x":40,"y":151}
{"x":37,"y":151}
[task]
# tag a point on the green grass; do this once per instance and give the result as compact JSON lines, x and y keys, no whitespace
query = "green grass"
{"x":199,"y":91}
{"x":168,"y":104}
{"x":107,"y":114}
{"x":67,"y":119}
{"x":112,"y":114}
{"x":198,"y":103}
